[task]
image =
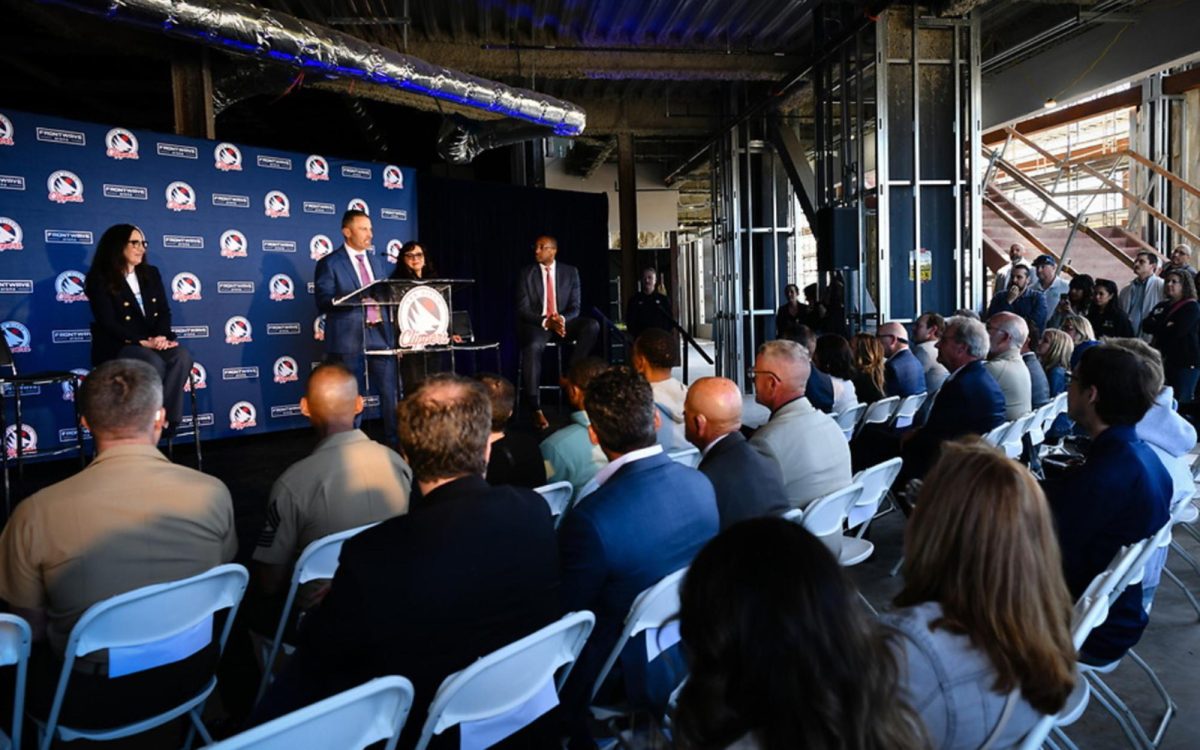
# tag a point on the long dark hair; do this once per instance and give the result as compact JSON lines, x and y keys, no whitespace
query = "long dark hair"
{"x":834,"y":357}
{"x":404,"y":272}
{"x":780,"y":647}
{"x":108,"y":265}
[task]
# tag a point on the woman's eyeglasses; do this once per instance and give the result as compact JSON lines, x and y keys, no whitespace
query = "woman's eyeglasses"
{"x":139,"y":243}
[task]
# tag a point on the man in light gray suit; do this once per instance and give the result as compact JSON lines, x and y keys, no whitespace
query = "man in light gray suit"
{"x":809,"y":447}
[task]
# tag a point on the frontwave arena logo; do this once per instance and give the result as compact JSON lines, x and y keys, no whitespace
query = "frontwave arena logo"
{"x":16,"y":335}
{"x":185,"y":287}
{"x":281,"y":287}
{"x":277,"y":205}
{"x":286,"y":370}
{"x":238,"y":330}
{"x":11,"y":236}
{"x":233,"y":244}
{"x":68,"y":287}
{"x":242,"y":415}
{"x":121,"y":144}
{"x":228,"y":157}
{"x":65,"y":187}
{"x":316,"y":168}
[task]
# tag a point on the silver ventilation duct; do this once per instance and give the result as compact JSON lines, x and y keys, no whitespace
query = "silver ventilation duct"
{"x":245,"y":29}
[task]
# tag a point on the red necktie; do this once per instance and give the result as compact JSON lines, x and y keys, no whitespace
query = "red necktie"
{"x":364,"y":278}
{"x":551,"y":305}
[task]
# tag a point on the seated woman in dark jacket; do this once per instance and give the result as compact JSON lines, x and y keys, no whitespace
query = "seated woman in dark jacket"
{"x":516,"y":458}
{"x":1106,"y":316}
{"x":132,"y":317}
{"x":1175,"y":325}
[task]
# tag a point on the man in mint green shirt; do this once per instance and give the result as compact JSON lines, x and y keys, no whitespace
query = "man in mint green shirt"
{"x":569,"y":453}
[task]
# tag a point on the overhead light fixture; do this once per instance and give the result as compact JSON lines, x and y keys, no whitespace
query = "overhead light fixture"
{"x":1050,"y":103}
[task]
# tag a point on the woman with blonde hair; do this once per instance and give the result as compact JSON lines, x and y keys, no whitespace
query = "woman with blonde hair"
{"x":869,"y":361}
{"x":1054,"y":352}
{"x":1078,"y":328}
{"x":985,"y":612}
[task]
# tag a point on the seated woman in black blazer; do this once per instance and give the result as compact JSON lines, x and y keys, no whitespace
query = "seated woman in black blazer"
{"x":132,"y":318}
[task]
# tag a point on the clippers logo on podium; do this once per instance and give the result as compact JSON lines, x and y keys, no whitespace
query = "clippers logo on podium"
{"x":316,"y":168}
{"x":11,"y":236}
{"x":233,"y":244}
{"x":319,"y":246}
{"x":6,"y":131}
{"x":424,"y":319}
{"x":199,"y":377}
{"x":237,"y":330}
{"x":65,"y":187}
{"x":68,"y":287}
{"x":286,"y":370}
{"x":228,"y":157}
{"x":393,"y":177}
{"x":29,"y":440}
{"x":68,"y":388}
{"x":358,"y":204}
{"x":16,"y":335}
{"x":121,"y":144}
{"x":185,"y":287}
{"x":319,"y":328}
{"x":277,"y":205}
{"x":281,"y":287}
{"x":181,"y":197}
{"x":242,"y":415}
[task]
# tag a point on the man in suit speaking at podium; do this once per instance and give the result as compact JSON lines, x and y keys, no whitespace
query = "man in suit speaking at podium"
{"x":349,"y":327}
{"x":548,"y":306}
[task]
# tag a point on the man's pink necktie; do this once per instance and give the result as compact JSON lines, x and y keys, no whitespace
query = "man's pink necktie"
{"x":364,"y":278}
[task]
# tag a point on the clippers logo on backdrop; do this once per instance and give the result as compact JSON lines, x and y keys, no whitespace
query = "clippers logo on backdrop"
{"x":68,"y":388}
{"x":242,"y":415}
{"x":181,"y":197}
{"x":319,"y":328}
{"x":277,"y":205}
{"x":228,"y":157}
{"x":65,"y":187}
{"x":11,"y":236}
{"x":29,"y":439}
{"x":281,"y":287}
{"x":316,"y":168}
{"x":233,"y":244}
{"x":185,"y":287}
{"x":393,"y":177}
{"x":237,"y":330}
{"x":6,"y":131}
{"x":199,"y":377}
{"x":286,"y":370}
{"x":358,"y":204}
{"x":318,"y":247}
{"x":424,"y":318}
{"x":17,"y":336}
{"x":393,"y":251}
{"x":121,"y":144}
{"x":68,"y":287}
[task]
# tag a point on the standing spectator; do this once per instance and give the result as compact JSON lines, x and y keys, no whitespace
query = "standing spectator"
{"x":1175,"y":325}
{"x":782,"y":656}
{"x":1049,"y":283}
{"x":1106,"y":316}
{"x":869,"y":363}
{"x":647,"y":307}
{"x":654,"y":354}
{"x":1143,"y":293}
{"x":1181,"y":260}
{"x":791,"y":315}
{"x":1006,"y":335}
{"x":834,"y":358}
{"x":1022,"y":298}
{"x":984,"y":663}
{"x":903,"y":374}
{"x":569,"y":453}
{"x":515,"y":458}
{"x":1016,"y":257}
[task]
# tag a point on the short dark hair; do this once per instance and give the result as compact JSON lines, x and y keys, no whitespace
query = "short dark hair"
{"x":1107,"y":285}
{"x":503,"y":397}
{"x":802,"y":335}
{"x":444,"y":426}
{"x":620,"y":405}
{"x":1124,"y":383}
{"x":834,"y":356}
{"x":351,"y":215}
{"x":658,"y":348}
{"x":934,"y":320}
{"x":1152,"y":258}
{"x":582,"y":372}
{"x":120,"y":397}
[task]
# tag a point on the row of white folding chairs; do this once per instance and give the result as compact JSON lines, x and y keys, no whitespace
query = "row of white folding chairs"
{"x":1009,"y":436}
{"x":892,"y":410}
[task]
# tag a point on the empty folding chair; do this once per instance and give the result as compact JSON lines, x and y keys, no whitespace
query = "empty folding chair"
{"x":15,"y":640}
{"x":689,"y":457}
{"x":1014,"y":439}
{"x":1182,"y":512}
{"x":558,"y":497}
{"x":172,"y":618}
{"x":824,"y":518}
{"x":507,"y":689}
{"x":876,"y":482}
{"x":908,"y":409}
{"x":849,"y":418}
{"x":351,"y":720}
{"x":880,"y":412}
{"x":995,"y":436}
{"x":319,"y":560}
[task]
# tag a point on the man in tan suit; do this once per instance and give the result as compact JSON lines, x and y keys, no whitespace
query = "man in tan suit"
{"x":1007,"y":333}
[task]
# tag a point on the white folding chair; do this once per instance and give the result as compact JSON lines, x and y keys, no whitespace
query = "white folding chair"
{"x":1042,"y":419}
{"x":880,"y":412}
{"x":876,"y":482}
{"x":351,"y":720}
{"x":908,"y":409}
{"x":824,"y":518}
{"x":318,"y":560}
{"x":1014,"y":439}
{"x":558,"y":497}
{"x":849,"y":418}
{"x":15,"y":640}
{"x":519,"y":676}
{"x":174,"y":612}
{"x":689,"y":457}
{"x":995,"y":436}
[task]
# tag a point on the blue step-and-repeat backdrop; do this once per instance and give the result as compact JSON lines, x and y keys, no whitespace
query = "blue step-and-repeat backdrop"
{"x":235,"y":231}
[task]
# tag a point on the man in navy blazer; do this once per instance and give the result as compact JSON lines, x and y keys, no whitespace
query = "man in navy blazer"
{"x":903,"y":374}
{"x":349,"y":327}
{"x":969,"y":401}
{"x":648,"y":518}
{"x":748,"y":484}
{"x":548,"y":304}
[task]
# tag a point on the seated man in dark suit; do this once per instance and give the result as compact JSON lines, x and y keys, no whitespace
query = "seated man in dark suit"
{"x":903,"y":374}
{"x":1120,"y":495}
{"x":648,"y":518}
{"x":748,"y":484}
{"x":468,"y":570}
{"x":969,"y":401}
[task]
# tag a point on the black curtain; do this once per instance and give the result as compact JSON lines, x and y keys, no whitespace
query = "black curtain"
{"x":485,"y":231}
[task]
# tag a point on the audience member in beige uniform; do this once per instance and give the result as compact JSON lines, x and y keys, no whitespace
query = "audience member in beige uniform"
{"x":130,"y":519}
